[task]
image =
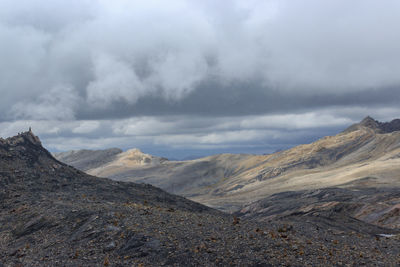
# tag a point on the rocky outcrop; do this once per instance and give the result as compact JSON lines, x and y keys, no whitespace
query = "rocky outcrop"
{"x":377,"y":126}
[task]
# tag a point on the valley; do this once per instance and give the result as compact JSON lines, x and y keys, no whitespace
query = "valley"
{"x":332,"y":202}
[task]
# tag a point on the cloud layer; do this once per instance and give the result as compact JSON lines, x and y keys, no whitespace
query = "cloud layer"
{"x":93,"y":61}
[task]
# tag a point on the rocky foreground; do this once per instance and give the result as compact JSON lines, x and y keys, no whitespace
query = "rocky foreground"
{"x":54,"y":215}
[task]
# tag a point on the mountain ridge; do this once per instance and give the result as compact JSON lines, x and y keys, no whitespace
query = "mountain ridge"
{"x":228,"y":181}
{"x":379,"y":127}
{"x":92,"y":158}
{"x":55,"y":215}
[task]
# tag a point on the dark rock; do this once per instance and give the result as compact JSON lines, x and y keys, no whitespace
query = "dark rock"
{"x":110,"y":246}
{"x":84,"y":229}
{"x":133,"y":243}
{"x":140,"y":245}
{"x":32,"y":226}
{"x":154,"y":244}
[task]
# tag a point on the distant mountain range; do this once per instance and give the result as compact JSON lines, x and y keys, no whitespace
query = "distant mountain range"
{"x":365,"y":155}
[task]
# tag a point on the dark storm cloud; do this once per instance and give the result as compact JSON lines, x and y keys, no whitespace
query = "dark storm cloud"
{"x":120,"y":58}
{"x":176,"y":71}
{"x":245,"y":99}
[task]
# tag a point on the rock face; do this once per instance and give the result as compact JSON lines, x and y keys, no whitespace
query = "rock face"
{"x":54,"y":215}
{"x":367,"y":154}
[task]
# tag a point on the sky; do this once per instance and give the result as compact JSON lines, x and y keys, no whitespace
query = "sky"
{"x":186,"y":78}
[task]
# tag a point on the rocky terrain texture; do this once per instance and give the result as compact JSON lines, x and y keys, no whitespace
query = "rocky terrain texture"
{"x":336,"y":206}
{"x":366,"y":154}
{"x":55,"y":215}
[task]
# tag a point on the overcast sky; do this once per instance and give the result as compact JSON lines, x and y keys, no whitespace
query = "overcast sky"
{"x":179,"y":78}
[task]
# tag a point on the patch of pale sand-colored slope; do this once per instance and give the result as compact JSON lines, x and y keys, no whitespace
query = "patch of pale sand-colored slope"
{"x":239,"y":168}
{"x":328,"y":142}
{"x":254,"y":166}
{"x":131,"y":159}
{"x":236,"y":162}
{"x":382,"y":146}
{"x":240,"y":185}
{"x":372,"y":147}
{"x":209,"y":168}
{"x":302,"y":153}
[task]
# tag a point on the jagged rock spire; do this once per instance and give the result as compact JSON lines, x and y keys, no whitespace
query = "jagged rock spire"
{"x":32,"y":137}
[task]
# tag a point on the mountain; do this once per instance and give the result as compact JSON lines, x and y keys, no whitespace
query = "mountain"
{"x":366,"y":154}
{"x":55,"y":215}
{"x":379,"y":127}
{"x":113,"y":159}
{"x":87,"y":159}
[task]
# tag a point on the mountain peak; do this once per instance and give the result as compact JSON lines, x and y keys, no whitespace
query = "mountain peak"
{"x":367,"y":119}
{"x":370,"y":123}
{"x":34,"y":139}
{"x":377,"y":126}
{"x":22,"y":138}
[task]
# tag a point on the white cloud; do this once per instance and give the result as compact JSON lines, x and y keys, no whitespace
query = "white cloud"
{"x":58,"y":104}
{"x":86,"y":127}
{"x":143,"y":126}
{"x":177,"y":74}
{"x":22,"y":53}
{"x":114,"y":80}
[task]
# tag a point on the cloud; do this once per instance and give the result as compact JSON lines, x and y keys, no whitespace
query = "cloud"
{"x":196,"y":73}
{"x":120,"y":53}
{"x":58,"y":104}
{"x":181,"y":136}
{"x":114,"y":80}
{"x":22,"y":51}
{"x":86,"y":127}
{"x":295,"y":121}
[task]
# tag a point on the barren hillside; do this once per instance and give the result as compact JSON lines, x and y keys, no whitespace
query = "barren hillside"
{"x":366,"y":154}
{"x":54,"y":215}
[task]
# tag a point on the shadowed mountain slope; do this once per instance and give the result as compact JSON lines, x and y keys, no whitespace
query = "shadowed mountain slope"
{"x":337,"y":207}
{"x":88,"y":159}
